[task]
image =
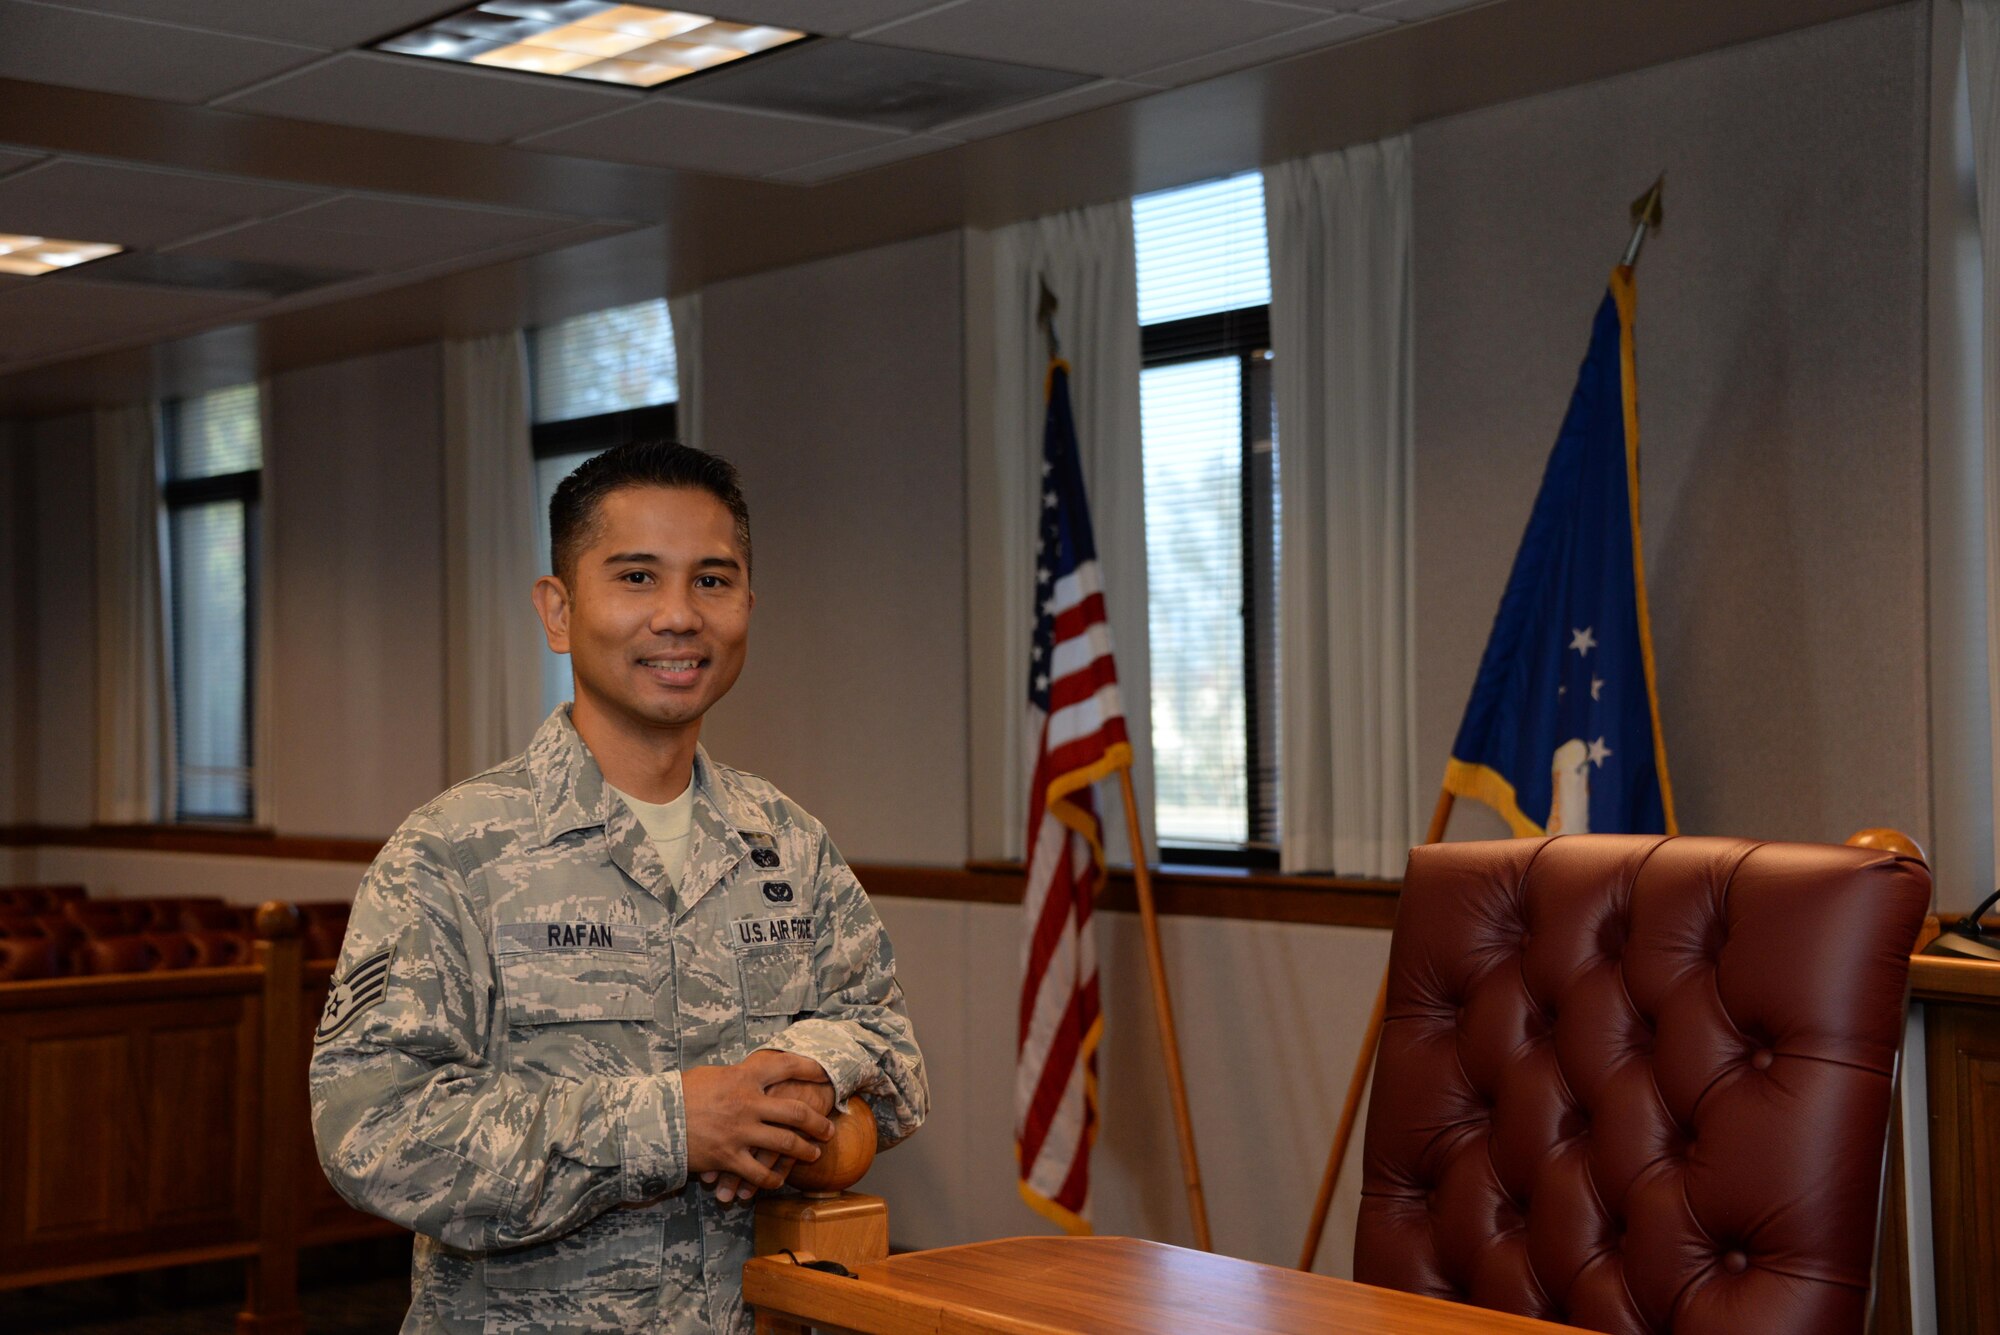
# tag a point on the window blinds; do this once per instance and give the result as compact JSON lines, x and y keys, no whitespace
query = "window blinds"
{"x":215,"y":450}
{"x":215,"y":434}
{"x":1202,"y":249}
{"x":603,"y":362}
{"x":1205,"y":424}
{"x":1191,"y":417}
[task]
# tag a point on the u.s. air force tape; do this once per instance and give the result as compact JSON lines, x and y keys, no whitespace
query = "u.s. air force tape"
{"x":354,"y":992}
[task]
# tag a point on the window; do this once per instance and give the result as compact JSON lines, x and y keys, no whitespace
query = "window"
{"x":214,"y":467}
{"x":1211,"y":482}
{"x":597,"y":380}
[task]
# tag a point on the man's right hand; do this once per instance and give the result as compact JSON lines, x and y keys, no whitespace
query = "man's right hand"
{"x":731,"y":1116}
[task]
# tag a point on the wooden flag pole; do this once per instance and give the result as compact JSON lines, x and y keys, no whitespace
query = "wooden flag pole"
{"x":1364,"y":1062}
{"x":1163,"y":1006}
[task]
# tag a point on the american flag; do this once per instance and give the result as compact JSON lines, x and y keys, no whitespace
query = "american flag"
{"x":1079,"y":724}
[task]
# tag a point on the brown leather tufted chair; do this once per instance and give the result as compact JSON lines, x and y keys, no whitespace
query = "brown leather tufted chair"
{"x":219,"y":949}
{"x":28,"y":957}
{"x":1639,"y":1085}
{"x":117,"y":954}
{"x":325,"y":926}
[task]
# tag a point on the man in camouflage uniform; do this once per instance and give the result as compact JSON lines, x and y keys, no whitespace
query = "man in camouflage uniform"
{"x":541,"y":1034}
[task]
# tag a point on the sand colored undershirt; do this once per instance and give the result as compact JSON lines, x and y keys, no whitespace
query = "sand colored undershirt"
{"x":669,"y":825}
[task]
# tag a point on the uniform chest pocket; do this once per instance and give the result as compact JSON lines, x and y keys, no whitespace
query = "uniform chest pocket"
{"x":620,"y":1249}
{"x":778,"y":981}
{"x":566,"y":988}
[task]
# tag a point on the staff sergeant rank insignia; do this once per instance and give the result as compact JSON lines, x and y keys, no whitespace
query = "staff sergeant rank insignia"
{"x":363,"y":986}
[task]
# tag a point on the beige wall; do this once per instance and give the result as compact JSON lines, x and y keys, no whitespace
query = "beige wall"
{"x":1269,"y":1017}
{"x":356,"y":638}
{"x":17,"y":594}
{"x":64,"y":643}
{"x":1781,"y":373}
{"x":836,"y":388}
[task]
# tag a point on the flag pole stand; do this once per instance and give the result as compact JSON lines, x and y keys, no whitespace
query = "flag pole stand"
{"x":1163,"y":1007}
{"x":1357,"y":1084}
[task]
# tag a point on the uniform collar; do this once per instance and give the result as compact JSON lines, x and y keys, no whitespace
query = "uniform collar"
{"x":571,"y":795}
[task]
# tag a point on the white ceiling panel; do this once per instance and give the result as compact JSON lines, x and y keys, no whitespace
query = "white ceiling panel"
{"x":1327,"y":32}
{"x":1409,"y":11}
{"x":367,"y":234}
{"x":45,"y":316}
{"x":834,"y":18}
{"x":1090,"y":96}
{"x":383,"y":92}
{"x":660,"y":132}
{"x":48,"y":44}
{"x":134,"y":206}
{"x":1108,"y":37}
{"x":329,"y":24}
{"x":847,"y":164}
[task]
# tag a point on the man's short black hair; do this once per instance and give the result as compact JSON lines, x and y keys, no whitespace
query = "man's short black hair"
{"x":574,"y":509}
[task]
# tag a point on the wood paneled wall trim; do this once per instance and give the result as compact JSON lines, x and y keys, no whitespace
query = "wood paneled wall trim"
{"x":1192,"y":892}
{"x":211,"y":840}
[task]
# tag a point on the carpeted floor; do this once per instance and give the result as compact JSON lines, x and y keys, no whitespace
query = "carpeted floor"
{"x":354,"y":1289}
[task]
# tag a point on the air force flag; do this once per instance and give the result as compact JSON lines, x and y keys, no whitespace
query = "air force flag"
{"x":1562,"y":734}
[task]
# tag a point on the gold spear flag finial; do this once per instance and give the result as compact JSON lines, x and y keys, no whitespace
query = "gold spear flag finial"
{"x":1647,"y":215}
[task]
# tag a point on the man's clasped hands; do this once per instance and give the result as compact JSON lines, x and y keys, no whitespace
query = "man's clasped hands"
{"x":748,"y":1124}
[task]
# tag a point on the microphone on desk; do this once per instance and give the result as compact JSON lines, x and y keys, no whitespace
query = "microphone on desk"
{"x":1966,"y":939}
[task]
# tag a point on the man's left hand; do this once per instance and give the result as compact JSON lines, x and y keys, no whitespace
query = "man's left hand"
{"x":815,"y":1094}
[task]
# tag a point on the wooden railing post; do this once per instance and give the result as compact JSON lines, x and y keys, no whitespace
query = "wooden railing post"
{"x":272,"y":1305}
{"x":826,"y":1221}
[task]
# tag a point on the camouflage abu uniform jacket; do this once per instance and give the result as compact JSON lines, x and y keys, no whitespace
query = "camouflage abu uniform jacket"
{"x":498,"y":1067}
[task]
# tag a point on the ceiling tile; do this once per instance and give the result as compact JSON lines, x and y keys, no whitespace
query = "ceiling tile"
{"x":12,"y":160}
{"x":666,"y":132}
{"x":833,"y":18}
{"x":1109,"y":37}
{"x":433,"y":97}
{"x":48,"y":316}
{"x":134,"y":206}
{"x":1312,"y":37}
{"x":1409,"y":11}
{"x":46,"y":44}
{"x":1070,"y":102}
{"x":329,"y":26}
{"x":847,"y":164}
{"x":862,"y":83}
{"x":366,"y":233}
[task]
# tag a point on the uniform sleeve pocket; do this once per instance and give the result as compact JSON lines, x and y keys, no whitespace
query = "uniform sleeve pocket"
{"x":620,"y":1249}
{"x":778,"y":981}
{"x":572,"y":989}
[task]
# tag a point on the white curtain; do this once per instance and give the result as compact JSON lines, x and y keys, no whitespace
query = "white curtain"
{"x":492,"y":640}
{"x":1340,"y":337}
{"x":684,"y":313}
{"x":1981,"y":38}
{"x":1086,"y":257}
{"x":134,"y":710}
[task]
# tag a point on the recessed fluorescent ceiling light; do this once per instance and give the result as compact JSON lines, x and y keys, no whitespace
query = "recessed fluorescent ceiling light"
{"x":42,"y":254}
{"x":588,"y":39}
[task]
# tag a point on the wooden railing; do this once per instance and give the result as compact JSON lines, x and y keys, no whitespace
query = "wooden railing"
{"x":151,"y":1120}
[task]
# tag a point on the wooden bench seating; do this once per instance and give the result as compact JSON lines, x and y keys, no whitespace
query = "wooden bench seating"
{"x":59,"y":931}
{"x":159,"y":1118}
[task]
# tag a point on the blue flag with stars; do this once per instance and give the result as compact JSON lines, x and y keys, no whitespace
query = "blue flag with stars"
{"x":1562,"y":734}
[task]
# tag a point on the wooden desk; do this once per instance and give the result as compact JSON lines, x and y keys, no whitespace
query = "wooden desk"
{"x":1961,"y":1000}
{"x":1055,"y":1286}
